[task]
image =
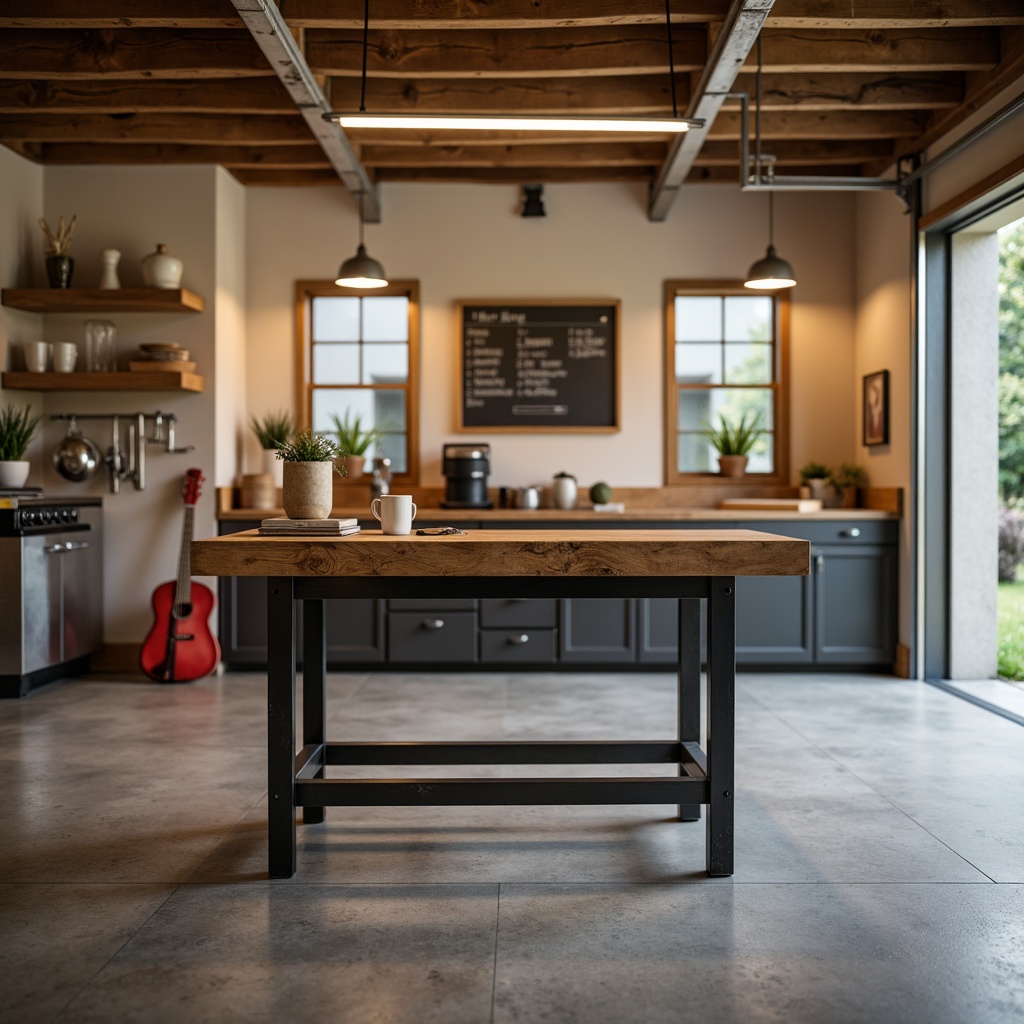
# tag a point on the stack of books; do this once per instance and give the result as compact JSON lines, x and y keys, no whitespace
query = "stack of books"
{"x":284,"y":527}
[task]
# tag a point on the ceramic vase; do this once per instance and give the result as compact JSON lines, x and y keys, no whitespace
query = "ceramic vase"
{"x":563,"y":492}
{"x":59,"y":270}
{"x":14,"y":474}
{"x":308,"y":489}
{"x":161,"y":270}
{"x":732,"y":465}
{"x":273,"y":465}
{"x":109,"y":259}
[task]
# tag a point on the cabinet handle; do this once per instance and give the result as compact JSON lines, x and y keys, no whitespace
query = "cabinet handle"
{"x":519,"y":638}
{"x":433,"y":623}
{"x":819,"y":563}
{"x":77,"y":545}
{"x":854,"y":531}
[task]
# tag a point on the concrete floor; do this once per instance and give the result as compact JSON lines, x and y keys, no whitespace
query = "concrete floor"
{"x":880,"y":864}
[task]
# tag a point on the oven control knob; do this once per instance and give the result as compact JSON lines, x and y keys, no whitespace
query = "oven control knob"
{"x":72,"y":514}
{"x":65,"y":515}
{"x":45,"y":516}
{"x":28,"y":518}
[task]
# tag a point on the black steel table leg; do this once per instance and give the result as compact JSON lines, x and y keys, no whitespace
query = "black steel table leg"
{"x":688,"y":701}
{"x":281,"y":726}
{"x":314,"y":701}
{"x":721,"y":712}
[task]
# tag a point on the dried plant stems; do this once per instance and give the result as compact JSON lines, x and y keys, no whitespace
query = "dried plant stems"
{"x":58,"y":242}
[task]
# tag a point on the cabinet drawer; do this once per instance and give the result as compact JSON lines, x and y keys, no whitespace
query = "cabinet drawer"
{"x":430,"y":604}
{"x":517,"y":611}
{"x":432,"y":636}
{"x":838,"y":531}
{"x":518,"y":645}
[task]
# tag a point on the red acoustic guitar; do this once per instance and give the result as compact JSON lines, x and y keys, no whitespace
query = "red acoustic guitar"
{"x":180,"y":646}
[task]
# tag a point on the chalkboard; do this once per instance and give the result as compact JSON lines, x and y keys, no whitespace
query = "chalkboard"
{"x":550,"y":366}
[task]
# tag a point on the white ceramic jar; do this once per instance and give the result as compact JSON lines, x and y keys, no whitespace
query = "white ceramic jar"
{"x":161,"y":270}
{"x":563,"y":491}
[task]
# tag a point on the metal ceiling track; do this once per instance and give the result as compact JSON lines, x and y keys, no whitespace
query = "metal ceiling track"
{"x":743,"y":23}
{"x":274,"y":38}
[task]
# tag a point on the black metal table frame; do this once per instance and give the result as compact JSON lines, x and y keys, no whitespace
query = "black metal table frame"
{"x":297,"y":779}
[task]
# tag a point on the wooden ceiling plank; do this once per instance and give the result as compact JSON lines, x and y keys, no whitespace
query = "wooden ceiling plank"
{"x":515,"y":175}
{"x":894,"y":14}
{"x":806,"y":51}
{"x":413,"y":15}
{"x":131,"y":53}
{"x":800,"y":151}
{"x":854,"y":91}
{"x":510,"y":53}
{"x":291,"y":178}
{"x":605,"y":154}
{"x":117,"y":96}
{"x":79,"y":14}
{"x":842,"y":124}
{"x":730,"y":176}
{"x":170,"y":153}
{"x":177,"y":128}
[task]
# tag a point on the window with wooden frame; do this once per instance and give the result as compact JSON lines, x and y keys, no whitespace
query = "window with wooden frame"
{"x":358,"y":356}
{"x":726,"y":354}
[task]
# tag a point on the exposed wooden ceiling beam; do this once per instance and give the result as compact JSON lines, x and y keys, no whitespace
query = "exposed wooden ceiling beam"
{"x":854,"y":91}
{"x":129,"y":53}
{"x":590,"y":154}
{"x":512,"y":53}
{"x":738,"y":34}
{"x":894,"y":13}
{"x":838,"y":124}
{"x":170,"y":153}
{"x":291,"y":178}
{"x":117,"y":96}
{"x":275,"y":40}
{"x":800,"y":151}
{"x":515,"y":175}
{"x":113,"y":14}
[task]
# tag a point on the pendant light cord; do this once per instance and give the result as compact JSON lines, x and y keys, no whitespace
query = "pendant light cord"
{"x":366,"y":34}
{"x":671,"y":57}
{"x":361,"y":194}
{"x":771,"y":219}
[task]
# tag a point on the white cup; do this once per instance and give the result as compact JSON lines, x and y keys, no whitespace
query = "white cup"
{"x":395,"y":512}
{"x":37,"y":354}
{"x":65,"y":355}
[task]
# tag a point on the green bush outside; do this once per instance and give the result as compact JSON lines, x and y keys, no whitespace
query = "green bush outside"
{"x":1011,"y":630}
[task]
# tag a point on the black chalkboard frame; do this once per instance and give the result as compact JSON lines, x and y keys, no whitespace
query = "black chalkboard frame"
{"x":615,"y":426}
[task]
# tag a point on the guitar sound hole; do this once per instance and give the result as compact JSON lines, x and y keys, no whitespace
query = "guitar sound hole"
{"x":182,"y":611}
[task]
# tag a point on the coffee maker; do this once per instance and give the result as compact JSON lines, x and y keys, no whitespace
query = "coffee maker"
{"x":465,"y":468}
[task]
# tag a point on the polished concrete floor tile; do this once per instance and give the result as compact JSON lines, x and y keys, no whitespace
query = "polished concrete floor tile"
{"x":55,"y":939}
{"x":290,"y":953}
{"x":918,"y":954}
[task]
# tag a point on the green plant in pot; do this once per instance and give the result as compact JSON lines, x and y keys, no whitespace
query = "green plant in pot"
{"x":354,"y":441}
{"x":272,"y":430}
{"x":816,"y":476}
{"x":17,"y":428}
{"x":309,"y":468}
{"x":846,"y":480}
{"x":734,"y":442}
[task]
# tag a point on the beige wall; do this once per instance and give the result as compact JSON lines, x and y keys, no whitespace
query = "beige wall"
{"x":468,"y":242}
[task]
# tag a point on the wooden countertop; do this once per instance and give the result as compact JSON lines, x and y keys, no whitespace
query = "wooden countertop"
{"x":637,"y":515}
{"x":600,"y":553}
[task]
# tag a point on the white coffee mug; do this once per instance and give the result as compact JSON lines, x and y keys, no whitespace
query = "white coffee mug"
{"x":395,"y":512}
{"x":65,"y":355}
{"x":37,"y":353}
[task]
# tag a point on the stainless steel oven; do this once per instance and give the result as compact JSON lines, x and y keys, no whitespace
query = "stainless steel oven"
{"x":51,"y":588}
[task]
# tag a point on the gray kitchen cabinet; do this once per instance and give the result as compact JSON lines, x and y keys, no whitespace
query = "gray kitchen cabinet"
{"x":774,"y":620}
{"x":597,"y":630}
{"x":432,"y":635}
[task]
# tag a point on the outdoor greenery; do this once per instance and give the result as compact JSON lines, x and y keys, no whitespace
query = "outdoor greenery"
{"x":273,"y":429}
{"x":17,"y":426}
{"x":1011,"y":362}
{"x":1011,"y":630}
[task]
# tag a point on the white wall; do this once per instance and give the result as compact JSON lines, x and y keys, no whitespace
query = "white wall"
{"x":468,"y":242}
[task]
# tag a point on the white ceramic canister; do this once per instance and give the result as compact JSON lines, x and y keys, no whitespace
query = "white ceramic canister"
{"x":161,"y":270}
{"x":563,"y":491}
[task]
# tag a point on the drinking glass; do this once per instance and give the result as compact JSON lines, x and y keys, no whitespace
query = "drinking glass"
{"x":100,"y":346}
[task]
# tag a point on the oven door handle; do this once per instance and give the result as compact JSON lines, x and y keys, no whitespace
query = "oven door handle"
{"x":55,"y":549}
{"x":60,"y":549}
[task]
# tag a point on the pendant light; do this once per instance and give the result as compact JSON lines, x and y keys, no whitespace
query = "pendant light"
{"x":515,"y":122}
{"x":771,"y":271}
{"x":361,"y":270}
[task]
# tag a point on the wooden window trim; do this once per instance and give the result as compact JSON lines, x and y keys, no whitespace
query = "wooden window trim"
{"x":305,"y":292}
{"x":781,"y":387}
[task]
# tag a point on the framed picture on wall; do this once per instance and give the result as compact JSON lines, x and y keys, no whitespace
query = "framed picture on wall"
{"x":876,"y":408}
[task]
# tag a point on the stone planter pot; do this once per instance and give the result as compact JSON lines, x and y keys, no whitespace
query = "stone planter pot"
{"x":732,"y":465}
{"x":14,"y":474}
{"x":308,"y":489}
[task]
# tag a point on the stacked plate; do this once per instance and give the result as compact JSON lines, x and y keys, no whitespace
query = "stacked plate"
{"x":163,"y":356}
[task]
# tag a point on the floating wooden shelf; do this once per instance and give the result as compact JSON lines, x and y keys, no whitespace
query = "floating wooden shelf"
{"x":148,"y":380}
{"x":102,"y":300}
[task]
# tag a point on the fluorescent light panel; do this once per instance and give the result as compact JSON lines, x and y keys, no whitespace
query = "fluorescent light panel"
{"x":673,"y":125}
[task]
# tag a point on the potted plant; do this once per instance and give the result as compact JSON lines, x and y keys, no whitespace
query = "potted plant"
{"x":309,"y":467}
{"x":273,"y":430}
{"x":815,"y":477}
{"x":734,"y":442}
{"x":354,"y":441}
{"x":846,"y":480}
{"x":17,"y":428}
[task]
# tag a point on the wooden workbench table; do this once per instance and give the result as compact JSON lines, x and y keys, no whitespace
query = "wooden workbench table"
{"x":690,"y":565}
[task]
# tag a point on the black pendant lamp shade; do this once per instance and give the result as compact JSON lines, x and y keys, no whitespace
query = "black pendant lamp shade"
{"x":771,"y":271}
{"x":361,"y":270}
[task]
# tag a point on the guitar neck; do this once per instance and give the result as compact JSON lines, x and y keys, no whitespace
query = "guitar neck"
{"x":183,"y":586}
